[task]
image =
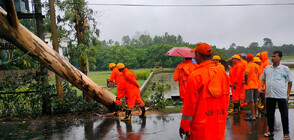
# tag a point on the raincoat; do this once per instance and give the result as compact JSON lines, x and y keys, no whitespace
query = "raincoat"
{"x":207,"y":98}
{"x":181,"y":74}
{"x":236,"y":76}
{"x":132,"y":88}
{"x":220,"y":66}
{"x":264,"y":62}
{"x":253,"y":75}
{"x":120,"y":82}
{"x":242,"y":95}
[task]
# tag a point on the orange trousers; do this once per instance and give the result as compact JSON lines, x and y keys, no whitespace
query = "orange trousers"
{"x":134,"y":97}
{"x":238,"y":94}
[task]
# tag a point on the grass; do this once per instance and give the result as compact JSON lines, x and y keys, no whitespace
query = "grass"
{"x":175,"y":109}
{"x":288,"y":58}
{"x":99,"y":77}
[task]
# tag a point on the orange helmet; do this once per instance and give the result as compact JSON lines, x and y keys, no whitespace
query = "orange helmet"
{"x":120,"y":65}
{"x":111,"y":65}
{"x":216,"y":57}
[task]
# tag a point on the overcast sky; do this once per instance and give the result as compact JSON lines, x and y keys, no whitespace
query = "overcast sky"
{"x":220,"y":26}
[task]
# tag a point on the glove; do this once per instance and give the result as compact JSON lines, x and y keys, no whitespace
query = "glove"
{"x":182,"y":132}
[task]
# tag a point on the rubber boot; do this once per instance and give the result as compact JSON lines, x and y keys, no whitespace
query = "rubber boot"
{"x":128,"y":115}
{"x":236,"y":108}
{"x":115,"y":113}
{"x":143,"y":115}
{"x":231,"y":110}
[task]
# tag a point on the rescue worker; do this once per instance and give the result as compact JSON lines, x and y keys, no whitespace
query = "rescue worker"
{"x":251,"y":86}
{"x":264,"y":60}
{"x":118,"y":79}
{"x":263,"y":63}
{"x":261,"y":98}
{"x":236,"y":81}
{"x":207,"y":98}
{"x":218,"y":64}
{"x":181,"y":74}
{"x":242,"y":95}
{"x":133,"y":92}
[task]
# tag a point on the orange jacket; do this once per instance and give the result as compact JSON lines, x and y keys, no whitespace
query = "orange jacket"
{"x":182,"y":73}
{"x":259,"y":75}
{"x":207,"y":98}
{"x":117,"y":76}
{"x":253,"y":75}
{"x":264,"y":62}
{"x":220,"y":66}
{"x":132,"y":88}
{"x":120,"y":82}
{"x":244,"y":62}
{"x":236,"y":74}
{"x":130,"y":78}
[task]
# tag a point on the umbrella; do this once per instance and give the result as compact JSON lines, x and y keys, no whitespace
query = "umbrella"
{"x":181,"y":51}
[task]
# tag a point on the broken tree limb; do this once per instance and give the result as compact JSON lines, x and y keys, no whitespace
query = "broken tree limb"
{"x":26,"y":41}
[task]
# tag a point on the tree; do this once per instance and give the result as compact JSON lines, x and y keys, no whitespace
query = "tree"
{"x":267,"y":42}
{"x":55,"y":46}
{"x":13,"y":32}
{"x":126,"y":40}
{"x":78,"y":16}
{"x":253,"y":46}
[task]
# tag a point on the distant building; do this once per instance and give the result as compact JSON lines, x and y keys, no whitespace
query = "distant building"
{"x":62,"y":45}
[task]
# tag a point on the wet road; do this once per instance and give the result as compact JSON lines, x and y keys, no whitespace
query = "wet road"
{"x":155,"y":126}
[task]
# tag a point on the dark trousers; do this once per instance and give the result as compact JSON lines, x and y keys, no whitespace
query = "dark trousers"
{"x":283,"y":108}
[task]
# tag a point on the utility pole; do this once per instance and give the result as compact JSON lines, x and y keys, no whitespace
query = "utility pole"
{"x":43,"y":69}
{"x":55,"y":46}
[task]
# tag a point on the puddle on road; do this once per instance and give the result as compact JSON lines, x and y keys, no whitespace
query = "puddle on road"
{"x":155,"y":126}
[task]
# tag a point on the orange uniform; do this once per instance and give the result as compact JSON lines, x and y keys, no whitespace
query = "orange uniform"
{"x":259,"y":75}
{"x":236,"y":76}
{"x":244,"y":62}
{"x":181,"y":74}
{"x":253,"y":75}
{"x":132,"y":88}
{"x":220,"y":66}
{"x":264,"y":62}
{"x":242,"y":95}
{"x":207,"y":98}
{"x":120,"y":82}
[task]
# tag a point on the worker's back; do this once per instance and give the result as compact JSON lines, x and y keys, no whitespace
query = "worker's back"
{"x":182,"y":73}
{"x":207,"y":99}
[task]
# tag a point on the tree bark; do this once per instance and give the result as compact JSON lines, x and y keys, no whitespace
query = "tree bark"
{"x":55,"y":46}
{"x":39,"y":50}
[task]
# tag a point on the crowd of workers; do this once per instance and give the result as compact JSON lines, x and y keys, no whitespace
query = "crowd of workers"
{"x":205,"y":91}
{"x":128,"y":87}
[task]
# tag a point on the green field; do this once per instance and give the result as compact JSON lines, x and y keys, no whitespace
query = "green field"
{"x":288,"y":58}
{"x":99,"y":77}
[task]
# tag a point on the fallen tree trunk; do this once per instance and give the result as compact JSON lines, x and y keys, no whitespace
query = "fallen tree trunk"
{"x":12,"y":31}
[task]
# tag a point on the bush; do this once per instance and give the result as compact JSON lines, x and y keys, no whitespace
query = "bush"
{"x":30,"y":104}
{"x":72,"y":102}
{"x":142,"y":74}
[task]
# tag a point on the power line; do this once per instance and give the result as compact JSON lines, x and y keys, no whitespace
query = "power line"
{"x":192,"y":5}
{"x":187,"y":5}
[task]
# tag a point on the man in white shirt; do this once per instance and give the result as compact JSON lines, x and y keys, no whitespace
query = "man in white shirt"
{"x":278,"y":81}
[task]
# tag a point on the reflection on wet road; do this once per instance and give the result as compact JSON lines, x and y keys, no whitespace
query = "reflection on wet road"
{"x":155,"y":126}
